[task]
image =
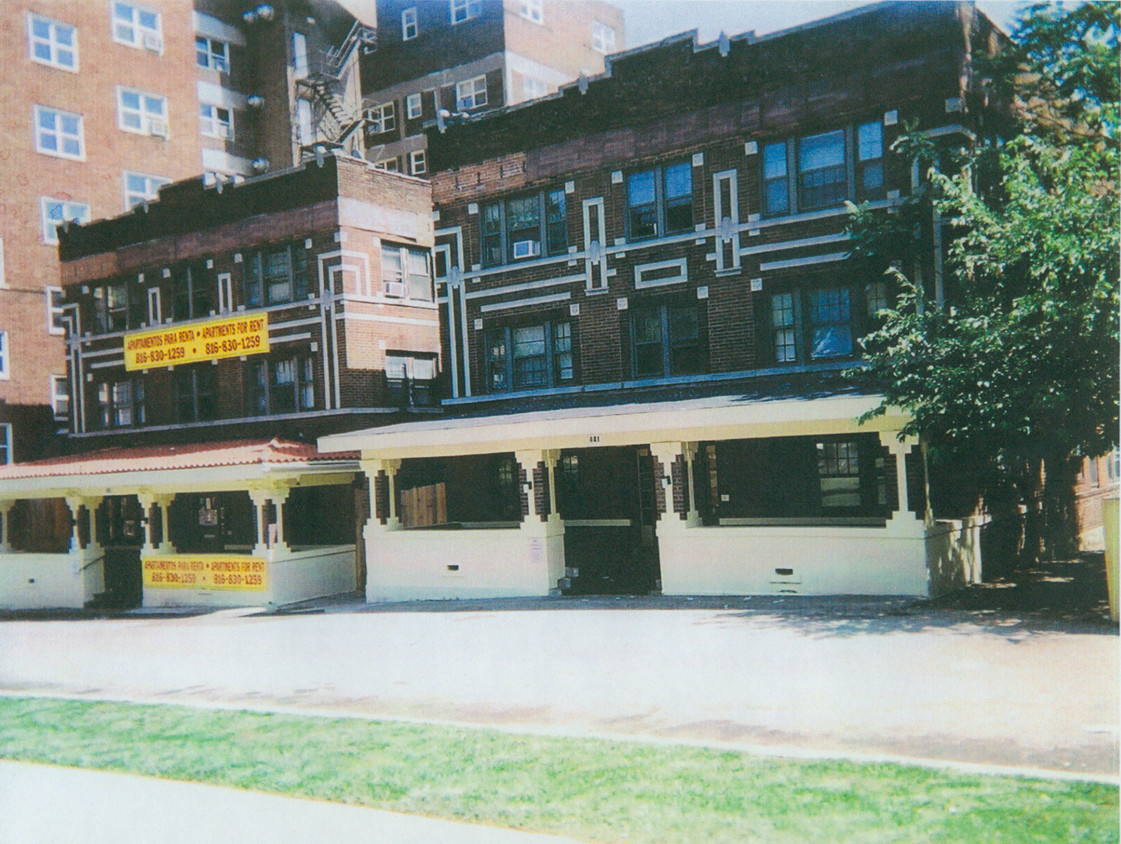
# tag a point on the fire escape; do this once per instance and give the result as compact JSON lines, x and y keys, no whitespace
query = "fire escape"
{"x":334,"y":121}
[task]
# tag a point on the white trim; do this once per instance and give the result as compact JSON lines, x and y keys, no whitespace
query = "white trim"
{"x":221,"y":96}
{"x":475,"y":103}
{"x":51,"y":238}
{"x":138,"y":40}
{"x":525,"y":285}
{"x":410,"y":99}
{"x":795,"y":244}
{"x":150,"y":181}
{"x":217,"y":161}
{"x":51,"y":41}
{"x":150,"y":122}
{"x":390,"y":319}
{"x":518,"y":303}
{"x":409,"y":20}
{"x":57,"y":133}
{"x":52,"y":309}
{"x":53,"y":381}
{"x":679,"y":263}
{"x":804,"y":262}
{"x":155,"y":307}
{"x":211,"y":27}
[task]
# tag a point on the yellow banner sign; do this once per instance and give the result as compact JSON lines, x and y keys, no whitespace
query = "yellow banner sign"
{"x":206,"y":571}
{"x":228,"y":337}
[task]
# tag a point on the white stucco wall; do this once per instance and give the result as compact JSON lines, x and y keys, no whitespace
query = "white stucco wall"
{"x":414,"y":564}
{"x":49,"y":581}
{"x":823,"y":560}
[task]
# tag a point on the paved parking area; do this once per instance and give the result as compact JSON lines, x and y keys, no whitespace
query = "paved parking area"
{"x":953,"y":681}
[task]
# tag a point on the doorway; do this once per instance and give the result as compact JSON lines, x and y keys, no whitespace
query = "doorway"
{"x":121,"y":524}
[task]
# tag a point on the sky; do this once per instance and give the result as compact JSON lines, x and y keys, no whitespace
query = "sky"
{"x":646,"y":21}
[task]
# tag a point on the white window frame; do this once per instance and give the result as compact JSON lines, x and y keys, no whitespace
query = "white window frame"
{"x":143,"y":114}
{"x":389,"y":165}
{"x":54,"y":310}
{"x":414,"y":106}
{"x":57,"y":132}
{"x":139,"y":36}
{"x":60,"y":392}
{"x":464,"y":101}
{"x":603,"y":37}
{"x":152,"y":186}
{"x":532,"y":10}
{"x":382,"y":117}
{"x":54,"y":48}
{"x":155,"y":306}
{"x":225,"y":293}
{"x":410,"y":29}
{"x":57,"y":396}
{"x":464,"y":10}
{"x":71,"y":211}
{"x":211,"y":124}
{"x":6,"y":443}
{"x":5,"y":366}
{"x":214,"y":61}
{"x":418,"y":163}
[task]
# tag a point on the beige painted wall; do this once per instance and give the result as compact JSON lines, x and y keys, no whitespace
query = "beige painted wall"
{"x":49,"y":581}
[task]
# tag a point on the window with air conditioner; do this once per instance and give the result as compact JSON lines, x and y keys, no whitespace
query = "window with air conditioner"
{"x":142,"y":112}
{"x":137,"y":26}
{"x":525,"y":227}
{"x":217,"y":122}
{"x":212,"y":53}
{"x":406,"y":273}
{"x":471,"y":94}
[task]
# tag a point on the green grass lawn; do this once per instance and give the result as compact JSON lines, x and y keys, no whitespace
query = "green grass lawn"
{"x":585,"y":788}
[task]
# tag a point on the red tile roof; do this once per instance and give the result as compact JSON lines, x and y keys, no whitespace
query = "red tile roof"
{"x":165,"y":457}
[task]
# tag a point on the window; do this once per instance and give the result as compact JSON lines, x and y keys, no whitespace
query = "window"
{"x":138,"y":111}
{"x":533,"y":88}
{"x":875,"y":299}
{"x":140,"y":187}
{"x":532,"y":10}
{"x":60,"y":397}
{"x":5,"y":358}
{"x":389,"y":165}
{"x":194,"y":290}
{"x":6,"y":444}
{"x":776,"y":190}
{"x":603,"y":37}
{"x":405,"y":273}
{"x":410,"y":379}
{"x":381,"y":118}
{"x":838,"y":471}
{"x":408,"y":24}
{"x":276,"y":276}
{"x":529,"y":356}
{"x":54,"y":212}
{"x":212,"y":53}
{"x":660,"y":201}
{"x":111,"y":307}
{"x":56,"y":319}
{"x":465,"y":10}
{"x":827,"y":327}
{"x":525,"y":227}
{"x":666,"y":341}
{"x":299,"y":55}
{"x":137,"y":26}
{"x":282,"y":386}
{"x":830,"y":323}
{"x":217,"y":122}
{"x":195,"y":391}
{"x":821,"y":170}
{"x":121,"y":403}
{"x":413,"y":107}
{"x":52,"y":43}
{"x":59,"y":133}
{"x":471,"y":94}
{"x":417,"y":164}
{"x":870,"y":161}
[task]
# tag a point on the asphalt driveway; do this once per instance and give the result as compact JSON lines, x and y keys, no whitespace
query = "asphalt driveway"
{"x":977,"y":678}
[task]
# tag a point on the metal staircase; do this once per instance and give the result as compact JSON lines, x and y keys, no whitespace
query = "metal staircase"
{"x":335,"y":123}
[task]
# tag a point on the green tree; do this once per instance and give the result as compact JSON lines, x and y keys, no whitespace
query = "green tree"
{"x":1015,"y":373}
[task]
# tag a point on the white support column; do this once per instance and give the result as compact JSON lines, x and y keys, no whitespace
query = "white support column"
{"x":279,"y":496}
{"x":166,"y":546}
{"x":544,"y":538}
{"x":75,"y":504}
{"x":902,"y":520}
{"x":260,"y":498}
{"x":91,"y":503}
{"x":5,"y":525}
{"x":666,"y":454}
{"x":527,"y":462}
{"x":147,"y":500}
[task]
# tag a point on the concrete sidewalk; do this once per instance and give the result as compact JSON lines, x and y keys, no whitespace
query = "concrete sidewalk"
{"x":43,"y":804}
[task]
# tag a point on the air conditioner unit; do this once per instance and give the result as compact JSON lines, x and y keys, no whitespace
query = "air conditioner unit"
{"x":526,"y":249}
{"x":396,"y":289}
{"x":152,"y":42}
{"x":157,"y":128}
{"x":226,"y":131}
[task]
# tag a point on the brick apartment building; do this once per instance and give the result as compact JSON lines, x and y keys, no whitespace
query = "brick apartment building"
{"x":107,"y":100}
{"x":216,"y":332}
{"x":647,"y":300}
{"x":472,"y":56}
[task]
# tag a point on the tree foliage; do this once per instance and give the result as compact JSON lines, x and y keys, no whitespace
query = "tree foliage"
{"x":1019,"y":365}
